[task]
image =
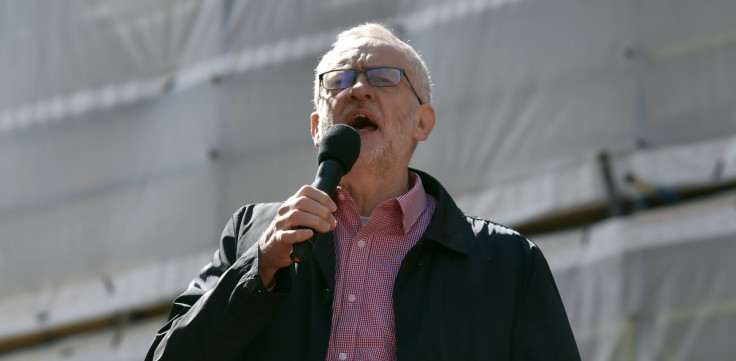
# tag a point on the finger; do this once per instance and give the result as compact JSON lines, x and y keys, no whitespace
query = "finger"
{"x":274,"y":250}
{"x":280,"y":242}
{"x":318,"y":196}
{"x":297,"y":218}
{"x":313,"y":201}
{"x":310,"y":206}
{"x":295,"y":235}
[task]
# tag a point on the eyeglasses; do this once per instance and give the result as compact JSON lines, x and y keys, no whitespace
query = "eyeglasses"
{"x":379,"y":77}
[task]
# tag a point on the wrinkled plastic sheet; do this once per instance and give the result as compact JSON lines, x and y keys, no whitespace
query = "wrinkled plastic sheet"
{"x":131,"y":130}
{"x":654,"y":285}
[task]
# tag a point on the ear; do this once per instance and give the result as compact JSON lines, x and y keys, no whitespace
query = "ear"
{"x":314,"y":120}
{"x":425,"y":123}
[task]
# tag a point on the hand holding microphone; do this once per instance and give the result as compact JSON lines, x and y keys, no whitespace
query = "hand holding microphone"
{"x":338,"y":152}
{"x":309,"y":212}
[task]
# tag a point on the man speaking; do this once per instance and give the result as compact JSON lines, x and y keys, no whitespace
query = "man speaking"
{"x":391,"y":268}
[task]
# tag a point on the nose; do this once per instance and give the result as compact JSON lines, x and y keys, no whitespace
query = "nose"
{"x":361,"y":89}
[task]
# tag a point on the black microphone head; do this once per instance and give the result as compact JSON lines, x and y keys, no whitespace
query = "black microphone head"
{"x":342,"y":143}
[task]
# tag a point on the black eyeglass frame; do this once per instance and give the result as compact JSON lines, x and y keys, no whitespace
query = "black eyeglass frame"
{"x":365,"y":71}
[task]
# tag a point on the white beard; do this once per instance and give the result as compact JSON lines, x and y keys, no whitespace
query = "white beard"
{"x":380,"y":157}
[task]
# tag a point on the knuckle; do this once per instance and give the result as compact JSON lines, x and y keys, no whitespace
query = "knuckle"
{"x":300,"y":202}
{"x":280,"y":223}
{"x":285,"y":208}
{"x":292,"y":214}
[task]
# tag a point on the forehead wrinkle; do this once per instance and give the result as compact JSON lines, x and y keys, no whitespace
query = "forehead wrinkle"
{"x":359,"y":54}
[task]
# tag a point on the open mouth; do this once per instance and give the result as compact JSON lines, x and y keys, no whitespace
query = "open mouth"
{"x":361,"y":122}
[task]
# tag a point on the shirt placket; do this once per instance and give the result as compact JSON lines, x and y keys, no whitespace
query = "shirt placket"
{"x":356,"y":298}
{"x":350,"y":293}
{"x":353,"y":296}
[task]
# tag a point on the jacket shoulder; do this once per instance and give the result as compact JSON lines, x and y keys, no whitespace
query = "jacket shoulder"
{"x":498,"y":235}
{"x":245,"y":228}
{"x":254,"y":213}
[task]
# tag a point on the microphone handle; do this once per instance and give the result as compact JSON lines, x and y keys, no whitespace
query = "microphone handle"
{"x":328,"y":177}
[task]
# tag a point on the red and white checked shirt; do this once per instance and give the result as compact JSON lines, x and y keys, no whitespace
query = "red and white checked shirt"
{"x":368,"y":259}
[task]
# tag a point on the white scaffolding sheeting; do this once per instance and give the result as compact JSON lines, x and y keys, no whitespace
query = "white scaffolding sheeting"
{"x":130,"y":130}
{"x":654,"y":285}
{"x":94,"y":298}
{"x":126,"y":342}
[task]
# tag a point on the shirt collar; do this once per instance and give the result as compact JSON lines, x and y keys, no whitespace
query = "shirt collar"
{"x":411,"y":204}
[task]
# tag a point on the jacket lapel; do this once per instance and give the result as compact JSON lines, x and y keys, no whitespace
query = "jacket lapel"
{"x":324,"y":256}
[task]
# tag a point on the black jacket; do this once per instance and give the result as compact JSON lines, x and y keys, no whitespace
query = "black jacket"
{"x":469,"y":290}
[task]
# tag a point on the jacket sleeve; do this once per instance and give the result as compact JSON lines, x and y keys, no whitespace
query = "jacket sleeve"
{"x":225,"y":307}
{"x":541,"y":327}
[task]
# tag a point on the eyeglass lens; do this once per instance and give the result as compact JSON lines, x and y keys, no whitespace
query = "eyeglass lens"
{"x":341,"y":79}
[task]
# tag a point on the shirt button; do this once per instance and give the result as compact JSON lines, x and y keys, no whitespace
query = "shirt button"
{"x":342,"y":198}
{"x":351,"y":298}
{"x":361,"y":243}
{"x":343,"y":356}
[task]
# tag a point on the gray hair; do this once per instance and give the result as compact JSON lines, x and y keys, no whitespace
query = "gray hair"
{"x":417,"y":66}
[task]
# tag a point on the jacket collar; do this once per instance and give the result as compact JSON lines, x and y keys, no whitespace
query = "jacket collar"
{"x":448,"y":226}
{"x":324,"y":255}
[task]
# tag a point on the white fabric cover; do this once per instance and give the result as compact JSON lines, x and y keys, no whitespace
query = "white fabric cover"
{"x":130,"y":130}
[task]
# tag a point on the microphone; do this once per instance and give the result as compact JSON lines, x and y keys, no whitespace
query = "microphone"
{"x":338,"y":151}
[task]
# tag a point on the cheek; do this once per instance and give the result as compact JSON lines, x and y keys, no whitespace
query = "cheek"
{"x":404,"y":129}
{"x":330,"y":107}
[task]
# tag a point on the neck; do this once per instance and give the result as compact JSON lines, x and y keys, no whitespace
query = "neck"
{"x":369,"y":188}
